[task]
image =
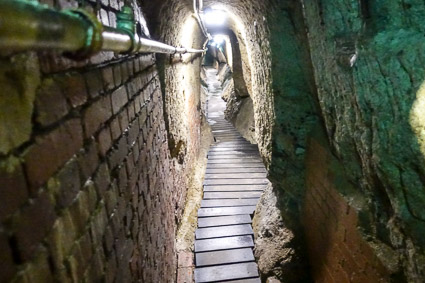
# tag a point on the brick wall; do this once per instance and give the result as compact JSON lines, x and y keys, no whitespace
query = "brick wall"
{"x":338,"y":252}
{"x":91,"y":192}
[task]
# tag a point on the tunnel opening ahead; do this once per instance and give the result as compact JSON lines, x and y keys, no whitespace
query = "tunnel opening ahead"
{"x":100,"y":156}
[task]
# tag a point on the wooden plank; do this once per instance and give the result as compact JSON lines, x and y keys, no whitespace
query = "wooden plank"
{"x":226,"y":272}
{"x":230,"y":195}
{"x":250,"y":280}
{"x":241,"y":144}
{"x":235,"y":145}
{"x":224,"y":220}
{"x":223,"y":134}
{"x":234,"y":161}
{"x":234,"y":138}
{"x":231,"y":139}
{"x":234,"y":188}
{"x":236,"y":170}
{"x":236,"y":182}
{"x":225,"y":243}
{"x":233,"y":152}
{"x":236,"y":176}
{"x":224,"y":231}
{"x":221,"y":129}
{"x":239,"y":156}
{"x":221,"y":139}
{"x":235,"y":165}
{"x":228,"y":202}
{"x":227,"y":137}
{"x":224,"y":211}
{"x":224,"y":257}
{"x":224,"y":130}
{"x":238,"y":143}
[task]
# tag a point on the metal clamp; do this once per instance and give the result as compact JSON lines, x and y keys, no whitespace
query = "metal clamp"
{"x":127,"y":24}
{"x":94,"y":38}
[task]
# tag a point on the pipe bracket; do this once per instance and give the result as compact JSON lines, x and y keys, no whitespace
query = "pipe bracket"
{"x":126,"y":23}
{"x":94,"y":34}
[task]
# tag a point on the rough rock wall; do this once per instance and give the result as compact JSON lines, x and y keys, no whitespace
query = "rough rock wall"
{"x":277,"y":257}
{"x":180,"y":77}
{"x":368,"y":64}
{"x":294,"y":106}
{"x":88,"y":187}
{"x":239,"y":105}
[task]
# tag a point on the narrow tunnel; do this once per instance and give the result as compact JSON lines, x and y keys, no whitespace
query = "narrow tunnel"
{"x":212,"y":141}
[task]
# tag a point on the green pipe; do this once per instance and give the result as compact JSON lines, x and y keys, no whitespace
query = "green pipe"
{"x":32,"y":26}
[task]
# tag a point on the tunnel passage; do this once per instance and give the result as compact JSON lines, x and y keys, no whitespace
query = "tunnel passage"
{"x":97,"y":155}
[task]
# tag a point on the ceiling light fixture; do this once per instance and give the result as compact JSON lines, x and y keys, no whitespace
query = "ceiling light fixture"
{"x":215,"y":17}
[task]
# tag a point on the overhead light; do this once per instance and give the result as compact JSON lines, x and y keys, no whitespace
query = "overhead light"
{"x":215,"y":17}
{"x":218,"y":39}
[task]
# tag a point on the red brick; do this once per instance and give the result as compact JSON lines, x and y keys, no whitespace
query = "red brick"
{"x":80,"y":211}
{"x":34,"y":222}
{"x":124,"y":71}
{"x":143,"y":116}
{"x":117,"y":75}
{"x":74,"y":87}
{"x":346,"y":256}
{"x":102,"y":179}
{"x":50,"y":103}
{"x":122,"y":181}
{"x":97,"y":114}
{"x":123,"y":119}
{"x":51,"y":151}
{"x":96,"y":267}
{"x":115,"y":129}
{"x":185,"y":259}
{"x":104,"y":141}
{"x":88,"y":160}
{"x":119,"y":99}
{"x":185,"y":275}
{"x":13,"y":186}
{"x":108,"y":78}
{"x":82,"y":253}
{"x":137,"y":104}
{"x":94,"y":83}
{"x":70,"y":184}
{"x":131,"y":111}
{"x":133,"y":132}
{"x":146,"y":61}
{"x":136,"y":65}
{"x":8,"y":268}
{"x":130,"y":67}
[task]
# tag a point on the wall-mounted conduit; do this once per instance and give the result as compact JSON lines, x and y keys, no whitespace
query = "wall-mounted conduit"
{"x":32,"y":26}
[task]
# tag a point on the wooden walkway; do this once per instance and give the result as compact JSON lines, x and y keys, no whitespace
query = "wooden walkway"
{"x":234,"y":180}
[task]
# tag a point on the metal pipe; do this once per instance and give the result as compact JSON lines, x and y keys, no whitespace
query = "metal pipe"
{"x":120,"y":41}
{"x":199,"y":19}
{"x":25,"y":26}
{"x":31,"y":26}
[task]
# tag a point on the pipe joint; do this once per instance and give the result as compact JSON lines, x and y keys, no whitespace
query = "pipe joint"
{"x":94,"y":40}
{"x":127,"y":24}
